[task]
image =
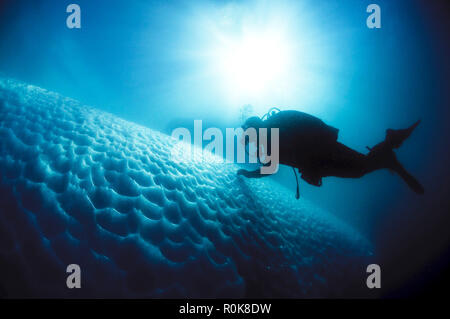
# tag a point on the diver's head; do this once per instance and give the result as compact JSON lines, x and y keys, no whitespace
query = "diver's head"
{"x":254,"y":122}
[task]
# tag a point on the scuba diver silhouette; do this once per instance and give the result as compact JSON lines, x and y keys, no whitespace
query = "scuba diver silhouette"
{"x":309,"y":145}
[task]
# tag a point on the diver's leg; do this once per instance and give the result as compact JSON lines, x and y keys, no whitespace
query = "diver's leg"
{"x":251,"y":174}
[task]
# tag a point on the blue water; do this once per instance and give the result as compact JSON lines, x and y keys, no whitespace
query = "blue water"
{"x":83,"y":186}
{"x":155,"y":63}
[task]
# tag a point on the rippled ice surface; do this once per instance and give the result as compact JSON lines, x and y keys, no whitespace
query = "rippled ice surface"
{"x":82,"y":186}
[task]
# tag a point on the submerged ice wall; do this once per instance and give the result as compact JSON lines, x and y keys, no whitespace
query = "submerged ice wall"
{"x":82,"y":186}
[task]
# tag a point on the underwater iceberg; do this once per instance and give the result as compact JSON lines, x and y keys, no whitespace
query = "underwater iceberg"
{"x":82,"y":186}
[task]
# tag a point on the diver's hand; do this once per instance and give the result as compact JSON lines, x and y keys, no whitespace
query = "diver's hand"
{"x":250,"y":174}
{"x":243,"y":172}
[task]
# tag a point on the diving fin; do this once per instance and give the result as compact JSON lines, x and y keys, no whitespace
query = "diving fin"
{"x":412,"y":182}
{"x":395,"y":138}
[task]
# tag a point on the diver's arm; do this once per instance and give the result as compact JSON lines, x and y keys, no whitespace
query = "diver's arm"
{"x":252,"y":174}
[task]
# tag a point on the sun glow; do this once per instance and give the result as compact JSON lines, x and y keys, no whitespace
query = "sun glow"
{"x":254,"y":62}
{"x":258,"y":53}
